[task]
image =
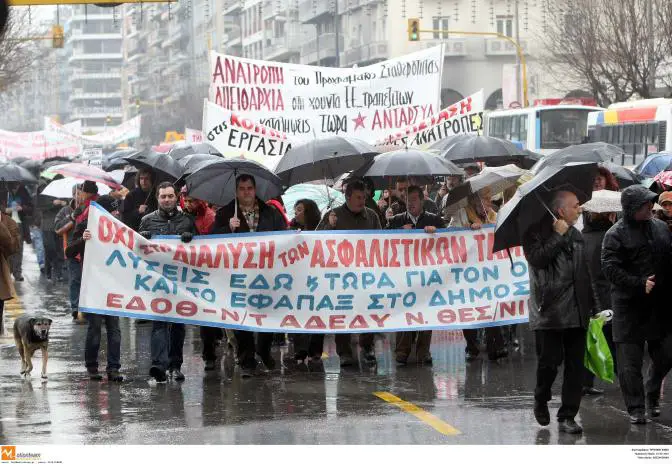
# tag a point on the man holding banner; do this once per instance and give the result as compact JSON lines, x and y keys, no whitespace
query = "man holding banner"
{"x":415,"y":218}
{"x":247,"y":213}
{"x":353,"y":215}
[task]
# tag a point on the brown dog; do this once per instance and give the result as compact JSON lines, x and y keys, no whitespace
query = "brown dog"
{"x":30,"y":334}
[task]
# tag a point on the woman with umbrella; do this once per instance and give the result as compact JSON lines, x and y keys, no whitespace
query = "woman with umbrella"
{"x":306,"y":215}
{"x":477,"y":213}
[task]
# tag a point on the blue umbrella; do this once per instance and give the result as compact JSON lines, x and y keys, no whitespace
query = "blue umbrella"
{"x":653,"y":164}
{"x":325,"y":197}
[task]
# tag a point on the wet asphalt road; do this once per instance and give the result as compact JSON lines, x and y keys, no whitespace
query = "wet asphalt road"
{"x":453,"y":402}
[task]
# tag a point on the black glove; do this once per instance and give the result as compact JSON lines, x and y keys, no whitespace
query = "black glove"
{"x":146,"y":234}
{"x":186,"y":237}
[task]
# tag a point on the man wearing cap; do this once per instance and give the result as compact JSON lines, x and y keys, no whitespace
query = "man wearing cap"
{"x":665,"y":214}
{"x":636,"y":260}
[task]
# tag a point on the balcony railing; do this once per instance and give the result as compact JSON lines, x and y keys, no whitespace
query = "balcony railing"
{"x":312,"y":10}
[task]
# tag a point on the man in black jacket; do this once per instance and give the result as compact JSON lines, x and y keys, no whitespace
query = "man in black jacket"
{"x":140,"y":201}
{"x":560,"y":306}
{"x":253,"y":216}
{"x":636,"y":260}
{"x":415,"y":218}
{"x":167,"y":337}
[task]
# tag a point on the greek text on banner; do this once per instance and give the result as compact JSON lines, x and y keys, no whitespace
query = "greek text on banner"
{"x":359,"y":281}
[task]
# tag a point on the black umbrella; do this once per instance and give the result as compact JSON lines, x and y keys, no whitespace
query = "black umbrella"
{"x":468,"y":148}
{"x":115,"y":160}
{"x":19,"y":159}
{"x":161,"y":163}
{"x":10,"y":172}
{"x":529,"y":205}
{"x":31,"y":165}
{"x":586,"y":153}
{"x":215,"y":181}
{"x":388,"y":167}
{"x":190,"y":161}
{"x":325,"y":158}
{"x":180,"y":151}
{"x":623,"y":175}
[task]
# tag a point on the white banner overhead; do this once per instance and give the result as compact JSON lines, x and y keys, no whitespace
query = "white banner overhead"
{"x":310,"y":101}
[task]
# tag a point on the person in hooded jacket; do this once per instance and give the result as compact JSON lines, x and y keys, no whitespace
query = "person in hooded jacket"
{"x":636,"y":260}
{"x":140,"y":201}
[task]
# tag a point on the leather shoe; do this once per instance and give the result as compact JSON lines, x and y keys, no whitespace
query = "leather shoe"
{"x":569,"y":426}
{"x":638,"y":418}
{"x":592,"y":391}
{"x":653,"y":406}
{"x":541,"y":413}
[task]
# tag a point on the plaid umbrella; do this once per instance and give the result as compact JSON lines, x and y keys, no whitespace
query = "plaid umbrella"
{"x":85,"y":172}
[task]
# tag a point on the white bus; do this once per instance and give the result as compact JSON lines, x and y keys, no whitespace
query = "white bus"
{"x":640,"y":128}
{"x":542,"y":129}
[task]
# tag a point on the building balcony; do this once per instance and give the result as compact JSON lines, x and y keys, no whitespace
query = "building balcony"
{"x":175,"y":33}
{"x":282,"y":48}
{"x":452,"y":47}
{"x":270,"y":11}
{"x":322,"y":48}
{"x":313,"y":11}
{"x":96,"y":112}
{"x":365,"y":54}
{"x":233,"y":8}
{"x":95,"y":36}
{"x":232,"y":38}
{"x":91,"y":17}
{"x":502,"y":47}
{"x":94,"y":56}
{"x":76,"y":76}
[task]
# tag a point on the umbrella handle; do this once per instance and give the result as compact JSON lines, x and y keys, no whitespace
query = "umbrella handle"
{"x":543,"y":203}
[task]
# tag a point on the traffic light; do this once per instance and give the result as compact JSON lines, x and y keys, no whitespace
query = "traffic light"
{"x":108,"y":119}
{"x":57,"y":37}
{"x":137,"y":103}
{"x":413,"y":29}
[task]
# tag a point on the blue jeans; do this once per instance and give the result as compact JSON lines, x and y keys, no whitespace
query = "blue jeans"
{"x":167,"y":345}
{"x":38,"y":244}
{"x":75,"y":268}
{"x":93,"y":333}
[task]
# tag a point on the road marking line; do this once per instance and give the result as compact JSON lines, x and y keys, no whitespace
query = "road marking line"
{"x":429,"y":419}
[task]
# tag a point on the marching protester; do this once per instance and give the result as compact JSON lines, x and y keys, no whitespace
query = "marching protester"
{"x":370,"y":202}
{"x":10,"y":239}
{"x":140,"y":201}
{"x":167,"y":337}
{"x":415,"y":218}
{"x":665,"y":213}
{"x":20,"y":208}
{"x":53,"y":251}
{"x":64,"y":227}
{"x":204,"y":220}
{"x":560,"y":305}
{"x":76,"y":249}
{"x":636,"y":260}
{"x":307,"y":346}
{"x":253,"y":216}
{"x":353,"y":215}
{"x":478,"y":212}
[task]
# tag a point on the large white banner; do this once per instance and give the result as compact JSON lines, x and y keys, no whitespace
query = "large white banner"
{"x":36,"y":145}
{"x":310,"y":102}
{"x":463,"y":117}
{"x":358,"y":281}
{"x":233,"y":135}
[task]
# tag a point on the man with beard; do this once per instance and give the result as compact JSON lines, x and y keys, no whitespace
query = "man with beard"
{"x":167,"y":337}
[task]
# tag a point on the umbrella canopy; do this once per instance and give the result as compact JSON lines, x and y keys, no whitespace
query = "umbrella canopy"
{"x":325,"y":197}
{"x":325,"y":158}
{"x":400,"y":164}
{"x":529,"y":204}
{"x":19,"y":159}
{"x":31,"y":165}
{"x":85,"y":172}
{"x":598,"y":152}
{"x":162,"y":164}
{"x":495,"y":179}
{"x":468,"y":148}
{"x":115,"y":160}
{"x":215,"y":181}
{"x":664,"y":177}
{"x":62,"y":188}
{"x":189,"y":161}
{"x":180,"y":151}
{"x":10,"y":172}
{"x":604,"y":201}
{"x":623,"y":175}
{"x":653,"y":164}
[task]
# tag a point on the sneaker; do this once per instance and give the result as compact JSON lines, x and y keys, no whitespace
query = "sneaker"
{"x":426,"y":361}
{"x":94,"y":374}
{"x":653,"y":406}
{"x":402,"y":360}
{"x":569,"y":426}
{"x":592,"y":391}
{"x":369,"y":356}
{"x":114,"y":376}
{"x":347,"y":360}
{"x":541,"y":413}
{"x":210,"y":365}
{"x":638,"y":418}
{"x":158,"y":374}
{"x":177,"y":375}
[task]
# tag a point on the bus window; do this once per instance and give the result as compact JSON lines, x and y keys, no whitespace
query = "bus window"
{"x":523,"y":129}
{"x":652,"y":133}
{"x":627,"y":135}
{"x":562,"y":127}
{"x":515,"y":134}
{"x":639,"y":133}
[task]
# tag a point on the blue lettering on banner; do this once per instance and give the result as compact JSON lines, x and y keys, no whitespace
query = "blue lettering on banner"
{"x":237,"y":281}
{"x":375,"y":301}
{"x":325,"y":303}
{"x":286,"y":278}
{"x":344,"y":302}
{"x":284,"y":302}
{"x":311,"y":300}
{"x":141,"y":283}
{"x":519,"y":269}
{"x":260,"y":283}
{"x":237,"y":300}
{"x":311,"y":283}
{"x":116,"y":254}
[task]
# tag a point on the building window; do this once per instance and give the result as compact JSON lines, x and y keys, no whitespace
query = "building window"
{"x":505,"y":25}
{"x":440,"y":24}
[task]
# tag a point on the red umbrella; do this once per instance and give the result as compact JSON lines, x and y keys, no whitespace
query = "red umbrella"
{"x":665,"y":178}
{"x":86,"y":172}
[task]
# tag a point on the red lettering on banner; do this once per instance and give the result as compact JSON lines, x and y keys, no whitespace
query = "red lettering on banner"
{"x":290,"y":321}
{"x":446,"y":316}
{"x":358,"y":323}
{"x":259,"y":318}
{"x":418,"y":318}
{"x":465,"y":106}
{"x":113,"y":300}
{"x":186,"y":308}
{"x":331,"y":246}
{"x":315,"y":322}
{"x":406,"y":243}
{"x":459,"y":248}
{"x":443,"y":251}
{"x":158,"y":302}
{"x":380,"y":321}
{"x":136,"y":304}
{"x":512,"y":308}
{"x":317,"y":260}
{"x":204,"y":257}
{"x":337,"y":322}
{"x":465,"y":315}
{"x":394,"y":261}
{"x":105,"y":233}
{"x":226,"y":314}
{"x":375,"y":259}
{"x":483,"y":313}
{"x":123,"y":235}
{"x":360,"y":255}
{"x":235,"y":253}
{"x":480,"y":238}
{"x":181,"y":254}
{"x":426,"y":252}
{"x":249,"y":264}
{"x":221,"y":254}
{"x":267,"y":254}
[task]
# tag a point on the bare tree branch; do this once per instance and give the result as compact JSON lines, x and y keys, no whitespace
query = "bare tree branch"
{"x":16,"y":55}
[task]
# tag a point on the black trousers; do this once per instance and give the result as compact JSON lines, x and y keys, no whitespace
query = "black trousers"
{"x":493,"y":340}
{"x":308,"y":345}
{"x":630,"y":363}
{"x":209,"y":338}
{"x":344,"y":348}
{"x":247,"y":346}
{"x":53,"y":254}
{"x":555,"y":347}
